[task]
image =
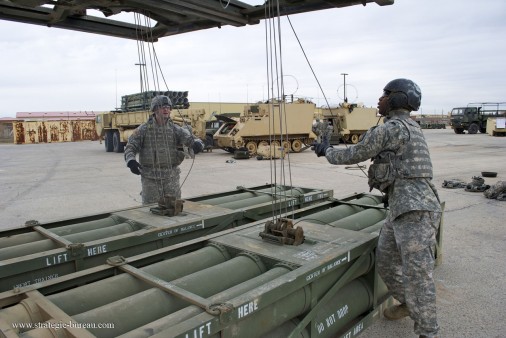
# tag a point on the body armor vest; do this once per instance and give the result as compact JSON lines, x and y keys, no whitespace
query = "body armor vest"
{"x":411,"y":160}
{"x":159,"y":148}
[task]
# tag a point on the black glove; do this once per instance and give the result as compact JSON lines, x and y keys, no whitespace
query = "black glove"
{"x":197,"y":146}
{"x":135,"y":167}
{"x":321,"y":148}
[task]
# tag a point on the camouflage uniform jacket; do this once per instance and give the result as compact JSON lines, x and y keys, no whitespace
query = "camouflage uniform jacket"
{"x":157,"y":147}
{"x":405,"y":193}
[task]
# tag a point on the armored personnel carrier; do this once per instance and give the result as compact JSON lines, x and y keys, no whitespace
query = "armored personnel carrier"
{"x":349,"y":121}
{"x":260,"y":123}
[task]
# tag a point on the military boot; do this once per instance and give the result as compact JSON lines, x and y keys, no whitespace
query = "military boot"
{"x":396,"y":312}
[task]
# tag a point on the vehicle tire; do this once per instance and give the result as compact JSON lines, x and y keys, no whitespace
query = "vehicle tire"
{"x":209,"y":141}
{"x":262,"y":143}
{"x":346,"y":138}
{"x":117,"y":146}
{"x":483,"y":130}
{"x":252,"y":147}
{"x":355,"y":138}
{"x":287,"y":145}
{"x":473,"y":128}
{"x":458,"y":130}
{"x":108,"y":141}
{"x":297,"y":146}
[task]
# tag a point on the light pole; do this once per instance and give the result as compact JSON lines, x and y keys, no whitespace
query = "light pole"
{"x":140,"y":72}
{"x":344,"y":76}
{"x":144,"y":103}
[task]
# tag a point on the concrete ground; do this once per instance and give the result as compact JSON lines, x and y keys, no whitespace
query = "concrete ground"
{"x":58,"y":181}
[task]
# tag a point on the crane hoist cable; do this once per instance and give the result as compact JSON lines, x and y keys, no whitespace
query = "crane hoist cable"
{"x":277,"y":103}
{"x":321,"y":89}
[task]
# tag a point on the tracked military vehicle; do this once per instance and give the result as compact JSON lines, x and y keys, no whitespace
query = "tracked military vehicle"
{"x":349,"y":121}
{"x":259,"y":125}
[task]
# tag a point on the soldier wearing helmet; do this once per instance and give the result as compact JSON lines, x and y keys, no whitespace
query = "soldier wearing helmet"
{"x":156,"y":142}
{"x":402,"y":170}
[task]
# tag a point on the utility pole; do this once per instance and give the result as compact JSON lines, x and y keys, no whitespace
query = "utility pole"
{"x":140,"y":73}
{"x":344,"y":76}
{"x":144,"y":103}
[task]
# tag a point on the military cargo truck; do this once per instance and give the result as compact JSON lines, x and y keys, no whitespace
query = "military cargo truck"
{"x":259,"y":125}
{"x":349,"y":121}
{"x":473,"y":118}
{"x":116,"y":126}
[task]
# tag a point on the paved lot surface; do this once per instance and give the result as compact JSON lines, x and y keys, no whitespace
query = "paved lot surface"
{"x":50,"y":182}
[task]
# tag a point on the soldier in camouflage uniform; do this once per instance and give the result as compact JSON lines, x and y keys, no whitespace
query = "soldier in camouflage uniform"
{"x":316,"y":130}
{"x":323,"y":130}
{"x":327,"y":132}
{"x":402,"y":170}
{"x":156,"y":142}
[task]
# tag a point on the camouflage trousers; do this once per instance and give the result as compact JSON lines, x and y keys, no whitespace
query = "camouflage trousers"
{"x":406,"y":260}
{"x":165,"y":183}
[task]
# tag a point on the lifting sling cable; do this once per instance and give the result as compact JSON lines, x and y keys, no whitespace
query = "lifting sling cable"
{"x":321,"y":89}
{"x":156,"y":73}
{"x":276,"y":102}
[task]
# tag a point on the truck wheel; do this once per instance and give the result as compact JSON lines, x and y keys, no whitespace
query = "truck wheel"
{"x":473,"y":128}
{"x":252,"y":147}
{"x":297,"y":146}
{"x":116,"y":143}
{"x":355,"y":138}
{"x":108,"y":141}
{"x":458,"y":131}
{"x":209,"y":141}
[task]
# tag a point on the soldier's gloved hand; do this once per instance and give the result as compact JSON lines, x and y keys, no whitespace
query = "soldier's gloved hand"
{"x":135,"y":167}
{"x":198,"y":146}
{"x":321,"y":148}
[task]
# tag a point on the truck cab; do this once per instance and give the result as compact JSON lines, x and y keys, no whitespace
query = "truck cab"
{"x":473,"y":118}
{"x":462,"y":117}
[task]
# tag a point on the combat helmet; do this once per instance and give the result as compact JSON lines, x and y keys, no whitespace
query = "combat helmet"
{"x":403,"y":93}
{"x":160,"y":101}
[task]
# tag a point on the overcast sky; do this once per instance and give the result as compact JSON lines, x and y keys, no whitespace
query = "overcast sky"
{"x":454,"y":49}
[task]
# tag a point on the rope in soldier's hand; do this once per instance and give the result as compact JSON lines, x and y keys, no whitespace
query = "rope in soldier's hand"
{"x":354,"y":167}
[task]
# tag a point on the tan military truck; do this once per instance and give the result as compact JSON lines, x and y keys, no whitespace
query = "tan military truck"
{"x":115,"y":127}
{"x":280,"y":124}
{"x":349,"y":121}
